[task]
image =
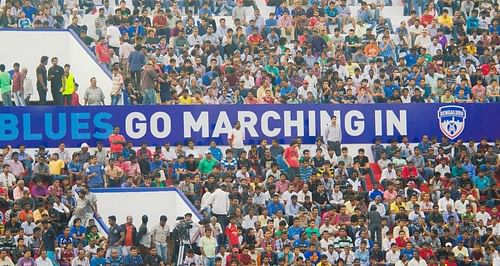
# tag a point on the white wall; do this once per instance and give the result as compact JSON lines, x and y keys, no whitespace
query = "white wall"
{"x":137,"y":202}
{"x":27,"y":47}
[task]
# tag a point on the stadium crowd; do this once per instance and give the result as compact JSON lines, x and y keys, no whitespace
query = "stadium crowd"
{"x":433,"y":203}
{"x":165,"y":52}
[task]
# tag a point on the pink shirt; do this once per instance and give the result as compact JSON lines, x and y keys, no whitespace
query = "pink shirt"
{"x":281,"y":187}
{"x":478,"y":91}
{"x":17,"y":193}
{"x":16,"y":168}
{"x":390,"y":196}
{"x":285,"y":22}
{"x":133,"y":170}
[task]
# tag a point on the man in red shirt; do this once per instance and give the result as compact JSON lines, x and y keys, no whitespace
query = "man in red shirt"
{"x":116,"y":143}
{"x":102,"y":52}
{"x":130,"y":235}
{"x":254,"y":39}
{"x":291,"y":158}
{"x":232,"y":233}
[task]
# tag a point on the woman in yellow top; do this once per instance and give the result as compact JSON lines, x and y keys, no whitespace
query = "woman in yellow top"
{"x":68,"y":85}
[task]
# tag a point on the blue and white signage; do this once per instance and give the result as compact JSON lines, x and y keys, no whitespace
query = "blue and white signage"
{"x":156,"y":125}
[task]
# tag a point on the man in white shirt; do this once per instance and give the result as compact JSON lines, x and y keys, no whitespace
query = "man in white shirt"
{"x":380,"y":206}
{"x":43,"y":260}
{"x":248,"y":79}
{"x":220,"y":204}
{"x":236,"y":139}
{"x":483,"y":216}
{"x":388,"y":175}
{"x":333,"y":136}
{"x":249,"y":220}
{"x":434,"y":46}
{"x":81,"y":259}
{"x":303,"y":193}
{"x":392,"y":256}
{"x":292,"y":208}
{"x":7,"y":179}
{"x":417,"y":261}
{"x":168,"y":153}
{"x":461,"y":205}
{"x":443,"y":202}
{"x":337,"y":196}
{"x":113,"y":36}
{"x":125,"y":49}
{"x":159,"y":235}
{"x":194,"y":38}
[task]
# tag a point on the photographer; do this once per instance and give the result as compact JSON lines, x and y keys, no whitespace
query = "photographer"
{"x":186,"y":235}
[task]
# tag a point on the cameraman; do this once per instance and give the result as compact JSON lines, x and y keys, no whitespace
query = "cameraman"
{"x":187,"y":233}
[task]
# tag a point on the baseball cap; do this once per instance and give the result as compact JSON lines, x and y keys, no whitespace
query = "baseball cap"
{"x":84,"y":145}
{"x":448,"y":244}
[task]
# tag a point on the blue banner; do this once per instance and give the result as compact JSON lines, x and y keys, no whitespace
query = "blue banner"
{"x":155,"y":125}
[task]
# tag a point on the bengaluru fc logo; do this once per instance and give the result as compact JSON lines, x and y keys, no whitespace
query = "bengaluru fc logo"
{"x":452,"y":120}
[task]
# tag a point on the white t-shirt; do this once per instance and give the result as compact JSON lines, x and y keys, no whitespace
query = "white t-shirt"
{"x":113,"y":34}
{"x":237,"y":137}
{"x":460,"y":206}
{"x":43,"y":262}
{"x":484,"y":217}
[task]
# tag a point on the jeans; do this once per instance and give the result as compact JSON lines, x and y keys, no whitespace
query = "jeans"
{"x":19,"y":98}
{"x":136,"y":78}
{"x":293,"y":172}
{"x":368,"y":171}
{"x":335,"y":145}
{"x":162,"y":250}
{"x":57,"y":97}
{"x":149,"y":97}
{"x":115,"y":99}
{"x":209,"y":261}
{"x":52,"y":257}
{"x":42,"y":96}
{"x":222,"y":219}
{"x":67,"y":100}
{"x":237,"y":152}
{"x":494,"y":99}
{"x":376,"y":232}
{"x":7,"y":101}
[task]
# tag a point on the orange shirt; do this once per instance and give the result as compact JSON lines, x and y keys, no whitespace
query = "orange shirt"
{"x":23,"y":214}
{"x":116,"y":148}
{"x":371,"y":50}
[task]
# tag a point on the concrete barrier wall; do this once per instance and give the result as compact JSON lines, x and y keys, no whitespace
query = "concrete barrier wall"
{"x":26,"y":47}
{"x":136,"y":202}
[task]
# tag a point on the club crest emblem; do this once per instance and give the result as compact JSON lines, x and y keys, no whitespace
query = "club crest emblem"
{"x":452,"y":120}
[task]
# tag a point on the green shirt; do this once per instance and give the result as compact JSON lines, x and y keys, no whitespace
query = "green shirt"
{"x":352,"y":39}
{"x":5,"y":82}
{"x":206,"y":166}
{"x":309,"y":231}
{"x":272,"y":70}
